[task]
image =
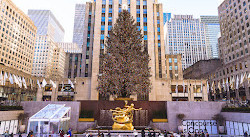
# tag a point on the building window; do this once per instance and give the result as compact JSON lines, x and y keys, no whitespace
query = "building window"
{"x":137,"y":2}
{"x":175,"y":60}
{"x":170,"y":60}
{"x":103,"y":1}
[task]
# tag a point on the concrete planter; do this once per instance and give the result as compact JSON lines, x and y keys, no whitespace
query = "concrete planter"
{"x":22,"y":128}
{"x":180,"y":129}
{"x":221,"y":129}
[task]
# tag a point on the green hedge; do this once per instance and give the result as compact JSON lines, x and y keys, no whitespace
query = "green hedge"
{"x":9,"y":108}
{"x":159,"y":114}
{"x":86,"y":114}
{"x":241,"y":110}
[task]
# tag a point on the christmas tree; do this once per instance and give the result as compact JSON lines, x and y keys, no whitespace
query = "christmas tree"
{"x":124,"y":69}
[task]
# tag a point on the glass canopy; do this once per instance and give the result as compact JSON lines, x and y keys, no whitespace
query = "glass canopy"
{"x":50,"y":119}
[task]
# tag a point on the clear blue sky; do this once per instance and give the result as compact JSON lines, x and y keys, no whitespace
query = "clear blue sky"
{"x":64,"y":9}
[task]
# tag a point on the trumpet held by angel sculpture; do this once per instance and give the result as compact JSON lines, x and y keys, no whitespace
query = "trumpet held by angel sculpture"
{"x":123,"y":117}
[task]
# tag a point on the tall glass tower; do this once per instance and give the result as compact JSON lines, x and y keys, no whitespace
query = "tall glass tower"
{"x":186,"y":35}
{"x":79,"y":23}
{"x":47,"y":24}
{"x":49,"y":32}
{"x":212,"y":27}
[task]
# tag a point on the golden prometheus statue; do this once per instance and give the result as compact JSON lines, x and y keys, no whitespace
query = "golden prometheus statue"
{"x":123,"y":118}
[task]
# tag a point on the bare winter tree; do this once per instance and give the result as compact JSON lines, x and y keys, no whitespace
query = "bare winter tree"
{"x":124,"y":66}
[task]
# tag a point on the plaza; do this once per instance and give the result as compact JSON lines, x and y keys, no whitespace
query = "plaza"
{"x":125,"y":75}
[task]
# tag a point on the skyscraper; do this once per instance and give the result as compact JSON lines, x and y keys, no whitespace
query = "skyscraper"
{"x":49,"y":32}
{"x":79,"y":24}
{"x":234,"y":46}
{"x":186,"y":35}
{"x":47,"y":24}
{"x":73,"y":61}
{"x":18,"y":34}
{"x":212,"y":27}
{"x":102,"y":14}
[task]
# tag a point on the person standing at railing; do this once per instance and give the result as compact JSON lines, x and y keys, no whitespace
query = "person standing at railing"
{"x":69,"y":132}
{"x":245,"y":134}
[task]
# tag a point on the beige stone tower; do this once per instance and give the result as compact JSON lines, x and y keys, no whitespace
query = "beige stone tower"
{"x":102,"y":14}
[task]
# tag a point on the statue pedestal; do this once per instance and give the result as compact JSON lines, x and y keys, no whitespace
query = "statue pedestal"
{"x":127,"y":126}
{"x":123,"y":99}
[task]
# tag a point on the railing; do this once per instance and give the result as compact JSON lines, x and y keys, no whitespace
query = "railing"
{"x":112,"y":135}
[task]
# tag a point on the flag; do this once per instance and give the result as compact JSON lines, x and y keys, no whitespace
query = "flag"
{"x":62,"y":86}
{"x":53,"y":84}
{"x":31,"y":84}
{"x":38,"y":83}
{"x":237,"y":82}
{"x":15,"y":79}
{"x":5,"y":78}
{"x":1,"y":78}
{"x":232,"y":83}
{"x":176,"y":88}
{"x":213,"y":87}
{"x":227,"y":84}
{"x":241,"y":79}
{"x":183,"y":86}
{"x":223,"y":85}
{"x":24,"y":83}
{"x":207,"y":87}
{"x":248,"y":78}
{"x":44,"y":83}
{"x":70,"y":82}
{"x":11,"y":79}
{"x":219,"y":86}
{"x":20,"y":82}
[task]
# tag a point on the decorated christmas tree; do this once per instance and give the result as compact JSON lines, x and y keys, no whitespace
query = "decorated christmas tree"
{"x":124,"y":69}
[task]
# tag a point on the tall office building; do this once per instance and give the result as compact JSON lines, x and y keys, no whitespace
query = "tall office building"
{"x":69,"y":47}
{"x":47,"y":24}
{"x":58,"y":63}
{"x":73,"y":59}
{"x":49,"y":32}
{"x":186,"y":35}
{"x":234,"y":46}
{"x":102,"y":15}
{"x":79,"y":24}
{"x":166,"y":17}
{"x":212,"y":27}
{"x":18,"y":34}
{"x":43,"y":57}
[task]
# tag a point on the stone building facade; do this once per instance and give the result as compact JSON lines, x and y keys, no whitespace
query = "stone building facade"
{"x":174,"y":67}
{"x":58,"y":63}
{"x":79,"y":21}
{"x":234,"y":46}
{"x":18,"y":34}
{"x":230,"y":81}
{"x":16,"y":92}
{"x":202,"y":69}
